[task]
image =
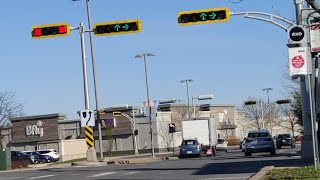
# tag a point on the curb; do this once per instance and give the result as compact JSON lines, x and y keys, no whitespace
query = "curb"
{"x":260,"y":174}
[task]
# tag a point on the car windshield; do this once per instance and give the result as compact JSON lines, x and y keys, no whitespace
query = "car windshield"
{"x":36,"y":153}
{"x":43,"y":152}
{"x":190,"y":142}
{"x":220,"y":141}
{"x":284,"y":136}
{"x":258,"y":135}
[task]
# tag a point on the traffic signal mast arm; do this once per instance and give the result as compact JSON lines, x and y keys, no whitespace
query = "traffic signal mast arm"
{"x":270,"y":20}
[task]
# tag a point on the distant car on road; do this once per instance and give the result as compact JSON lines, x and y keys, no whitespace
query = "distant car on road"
{"x":50,"y":152}
{"x":222,"y":145}
{"x":21,"y":156}
{"x":190,"y":147}
{"x":285,"y":140}
{"x":42,"y":158}
{"x":259,"y":141}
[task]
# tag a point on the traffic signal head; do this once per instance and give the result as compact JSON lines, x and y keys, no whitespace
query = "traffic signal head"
{"x":116,"y":113}
{"x":284,"y":101}
{"x":50,"y":30}
{"x":203,"y":16}
{"x":250,"y":102}
{"x":117,"y":27}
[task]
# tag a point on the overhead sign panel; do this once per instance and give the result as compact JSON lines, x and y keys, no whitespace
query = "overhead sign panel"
{"x":203,"y":16}
{"x":117,"y":27}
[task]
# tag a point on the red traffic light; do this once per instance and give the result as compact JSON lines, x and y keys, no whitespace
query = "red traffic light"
{"x":50,"y":30}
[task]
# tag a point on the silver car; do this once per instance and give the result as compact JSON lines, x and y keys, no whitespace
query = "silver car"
{"x":259,"y":141}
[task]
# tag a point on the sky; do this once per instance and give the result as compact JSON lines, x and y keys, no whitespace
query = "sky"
{"x":232,"y":60}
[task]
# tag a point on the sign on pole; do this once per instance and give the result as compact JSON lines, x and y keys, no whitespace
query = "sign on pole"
{"x":172,"y":127}
{"x":87,"y":118}
{"x":298,"y":61}
{"x":297,"y":34}
{"x":315,"y":37}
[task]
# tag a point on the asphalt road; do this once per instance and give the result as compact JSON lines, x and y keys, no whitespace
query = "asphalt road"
{"x":231,"y":165}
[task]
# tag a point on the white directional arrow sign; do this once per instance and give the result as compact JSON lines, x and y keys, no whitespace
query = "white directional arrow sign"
{"x":87,"y":118}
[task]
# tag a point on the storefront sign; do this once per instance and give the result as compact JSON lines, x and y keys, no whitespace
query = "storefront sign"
{"x":35,"y":130}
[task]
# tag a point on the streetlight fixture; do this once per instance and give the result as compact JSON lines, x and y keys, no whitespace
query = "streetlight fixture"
{"x":187,"y":85}
{"x":94,"y":78}
{"x":201,"y":97}
{"x":148,"y":99}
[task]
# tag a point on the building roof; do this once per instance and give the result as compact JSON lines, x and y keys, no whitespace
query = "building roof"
{"x":39,"y":117}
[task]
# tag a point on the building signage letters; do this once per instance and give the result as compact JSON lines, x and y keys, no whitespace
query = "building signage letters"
{"x":34,"y":130}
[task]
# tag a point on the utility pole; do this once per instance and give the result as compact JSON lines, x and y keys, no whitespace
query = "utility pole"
{"x":307,"y":103}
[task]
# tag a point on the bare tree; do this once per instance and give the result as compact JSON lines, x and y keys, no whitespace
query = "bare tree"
{"x":9,"y":108}
{"x":178,"y":113}
{"x":289,"y":119}
{"x":164,"y":134}
{"x":259,"y":115}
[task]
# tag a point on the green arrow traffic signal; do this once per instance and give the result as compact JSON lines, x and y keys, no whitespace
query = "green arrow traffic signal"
{"x":117,"y":27}
{"x":203,"y":16}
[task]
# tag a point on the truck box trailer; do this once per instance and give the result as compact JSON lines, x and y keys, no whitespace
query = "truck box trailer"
{"x":203,"y":129}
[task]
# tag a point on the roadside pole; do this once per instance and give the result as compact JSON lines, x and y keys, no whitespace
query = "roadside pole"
{"x":307,"y":87}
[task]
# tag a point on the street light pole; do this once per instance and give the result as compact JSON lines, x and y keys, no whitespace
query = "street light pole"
{"x":187,"y":84}
{"x":94,"y":77}
{"x":269,"y":89}
{"x":148,"y":98}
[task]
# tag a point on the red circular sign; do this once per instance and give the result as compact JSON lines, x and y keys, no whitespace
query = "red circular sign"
{"x":297,"y":61}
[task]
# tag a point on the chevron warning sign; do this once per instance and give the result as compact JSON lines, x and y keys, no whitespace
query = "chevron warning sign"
{"x":89,"y":136}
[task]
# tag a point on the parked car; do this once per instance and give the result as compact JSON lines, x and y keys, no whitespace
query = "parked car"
{"x":259,"y":141}
{"x":222,"y":145}
{"x":285,"y":140}
{"x":242,"y":144}
{"x":50,"y":152}
{"x":190,"y":147}
{"x":21,"y":156}
{"x":42,"y":158}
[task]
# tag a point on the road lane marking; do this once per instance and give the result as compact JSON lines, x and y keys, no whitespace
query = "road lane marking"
{"x":14,"y":178}
{"x":101,"y":174}
{"x":164,"y":172}
{"x":39,"y":177}
{"x":130,"y":173}
{"x":227,"y":178}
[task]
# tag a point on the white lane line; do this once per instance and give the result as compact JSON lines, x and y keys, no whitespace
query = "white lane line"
{"x":39,"y":177}
{"x":227,"y":178}
{"x":101,"y":174}
{"x":164,"y":172}
{"x":130,"y":173}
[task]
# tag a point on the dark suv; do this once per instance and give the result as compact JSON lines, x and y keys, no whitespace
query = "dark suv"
{"x":285,"y":140}
{"x":21,"y":156}
{"x":259,"y":141}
